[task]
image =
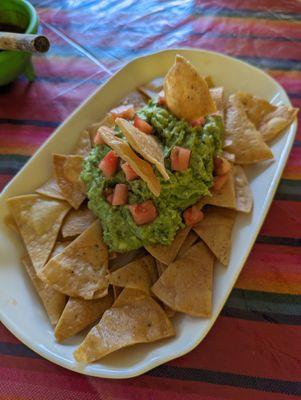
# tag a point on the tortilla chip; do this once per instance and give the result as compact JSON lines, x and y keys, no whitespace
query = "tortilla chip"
{"x":141,"y":167}
{"x":186,"y":92}
{"x":270,"y":120}
{"x":93,"y":128}
{"x":186,"y":284}
{"x":80,"y":313}
{"x":243,"y":193}
{"x":160,"y":269}
{"x":217,"y":95}
{"x":247,"y":142}
{"x":59,"y":247}
{"x":81,"y":269}
{"x":53,"y":301}
{"x":215,"y":230}
{"x":39,"y":220}
{"x":167,"y":254}
{"x":146,"y":145}
{"x":76,"y":222}
{"x":209,"y":81}
{"x":50,"y":189}
{"x":152,"y":88}
{"x":135,"y":98}
{"x":116,"y":291}
{"x":188,"y":242}
{"x":134,"y":318}
{"x":83,"y":145}
{"x":10,"y":222}
{"x":139,"y":274}
{"x":229,"y":156}
{"x":67,"y":171}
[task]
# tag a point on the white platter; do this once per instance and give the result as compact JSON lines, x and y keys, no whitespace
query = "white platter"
{"x":20,"y":309}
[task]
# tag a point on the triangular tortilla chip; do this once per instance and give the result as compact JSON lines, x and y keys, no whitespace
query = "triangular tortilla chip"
{"x":247,"y":142}
{"x":76,"y":222}
{"x":166,"y":254}
{"x":217,"y":95}
{"x":134,"y":318}
{"x":188,"y":242}
{"x":186,"y":92}
{"x":244,"y":197}
{"x":83,"y":145}
{"x":229,"y":156}
{"x":186,"y":284}
{"x":10,"y":222}
{"x":215,"y":230}
{"x":139,"y":274}
{"x":160,"y":269}
{"x":93,"y":128}
{"x":79,"y":313}
{"x":270,"y":120}
{"x":141,"y":167}
{"x":116,"y":291}
{"x":209,"y":81}
{"x":53,"y":301}
{"x":50,"y":189}
{"x":67,"y":171}
{"x":146,"y":145}
{"x":152,"y":88}
{"x":59,"y":247}
{"x":81,"y":269}
{"x":39,"y":220}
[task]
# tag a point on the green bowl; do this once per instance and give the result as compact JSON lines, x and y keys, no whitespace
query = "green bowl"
{"x":14,"y":63}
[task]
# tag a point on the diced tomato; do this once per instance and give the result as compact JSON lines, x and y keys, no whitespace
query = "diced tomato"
{"x":125,"y":111}
{"x":161,"y":98}
{"x":109,"y":164}
{"x":142,"y":125}
{"x":180,"y":158}
{"x":221,"y":166}
{"x":192,"y":215}
{"x":109,"y":198}
{"x":108,"y":194}
{"x":219,"y":181}
{"x":120,"y":195}
{"x":98,"y":139}
{"x":198,"y":122}
{"x":143,"y":213}
{"x":130,"y":174}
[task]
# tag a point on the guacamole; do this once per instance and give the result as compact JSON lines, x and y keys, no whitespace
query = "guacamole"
{"x":182,"y":190}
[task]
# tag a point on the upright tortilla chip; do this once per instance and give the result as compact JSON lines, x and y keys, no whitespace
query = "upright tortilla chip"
{"x":216,"y":230}
{"x":134,"y":318}
{"x":217,"y":95}
{"x":166,"y":254}
{"x":76,"y":222}
{"x":243,"y":193}
{"x":270,"y":120}
{"x":146,"y":145}
{"x":209,"y":81}
{"x":81,"y":269}
{"x":186,"y":284}
{"x":93,"y":128}
{"x":139,"y":274}
{"x":141,"y":167}
{"x":10,"y":222}
{"x":67,"y":171}
{"x":78,"y":314}
{"x":247,"y":142}
{"x":53,"y":301}
{"x":188,"y":242}
{"x":83,"y":145}
{"x":152,"y":88}
{"x":50,"y":189}
{"x":39,"y":220}
{"x":186,"y":92}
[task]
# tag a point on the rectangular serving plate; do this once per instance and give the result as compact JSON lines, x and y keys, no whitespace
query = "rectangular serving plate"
{"x":20,"y":309}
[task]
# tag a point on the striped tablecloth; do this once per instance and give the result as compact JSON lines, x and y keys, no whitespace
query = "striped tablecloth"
{"x":254,"y":349}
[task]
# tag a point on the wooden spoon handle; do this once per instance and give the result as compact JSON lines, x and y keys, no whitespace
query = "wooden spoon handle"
{"x":23,"y":42}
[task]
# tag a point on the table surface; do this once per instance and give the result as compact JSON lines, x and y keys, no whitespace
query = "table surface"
{"x":254,"y":348}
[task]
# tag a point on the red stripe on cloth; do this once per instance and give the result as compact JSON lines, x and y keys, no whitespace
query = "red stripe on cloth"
{"x":293,"y":167}
{"x":270,"y":5}
{"x":4,"y":179}
{"x":16,"y":136}
{"x":272,"y":268}
{"x":6,"y":336}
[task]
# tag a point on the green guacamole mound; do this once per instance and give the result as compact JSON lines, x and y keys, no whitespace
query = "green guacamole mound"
{"x":181,"y":191}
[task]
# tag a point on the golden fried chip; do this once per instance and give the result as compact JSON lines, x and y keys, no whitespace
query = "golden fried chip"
{"x":59,"y":247}
{"x":139,"y":274}
{"x":134,"y":318}
{"x":186,"y":92}
{"x":76,"y":222}
{"x":186,"y":284}
{"x":50,"y":189}
{"x":81,"y":269}
{"x":83,"y":145}
{"x":136,"y":98}
{"x":244,"y":197}
{"x":209,"y":81}
{"x":166,"y":254}
{"x":152,"y":88}
{"x":53,"y":301}
{"x":141,"y":167}
{"x":188,"y":242}
{"x":160,"y":269}
{"x":39,"y":220}
{"x":10,"y":222}
{"x":116,"y":291}
{"x":146,"y":145}
{"x":229,"y":156}
{"x":93,"y":128}
{"x":67,"y":171}
{"x":215,"y":230}
{"x":217,"y":95}
{"x":270,"y":120}
{"x":79,"y":313}
{"x":247,"y":142}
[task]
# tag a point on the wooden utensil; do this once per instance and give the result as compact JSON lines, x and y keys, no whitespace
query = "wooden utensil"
{"x":24,"y":42}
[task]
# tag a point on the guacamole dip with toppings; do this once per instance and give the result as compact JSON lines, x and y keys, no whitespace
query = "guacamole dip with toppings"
{"x":182,"y":190}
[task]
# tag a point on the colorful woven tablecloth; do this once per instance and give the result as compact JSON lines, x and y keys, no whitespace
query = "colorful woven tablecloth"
{"x":254,"y":348}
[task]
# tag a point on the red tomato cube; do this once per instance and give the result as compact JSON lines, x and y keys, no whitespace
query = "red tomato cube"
{"x":142,"y":125}
{"x":180,"y":158}
{"x":143,"y":213}
{"x":221,"y":166}
{"x":130,"y":174}
{"x":198,"y":122}
{"x":120,"y":195}
{"x":125,"y":111}
{"x":97,"y":139}
{"x":192,"y":215}
{"x":161,"y":98}
{"x":109,"y":164}
{"x":219,"y":181}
